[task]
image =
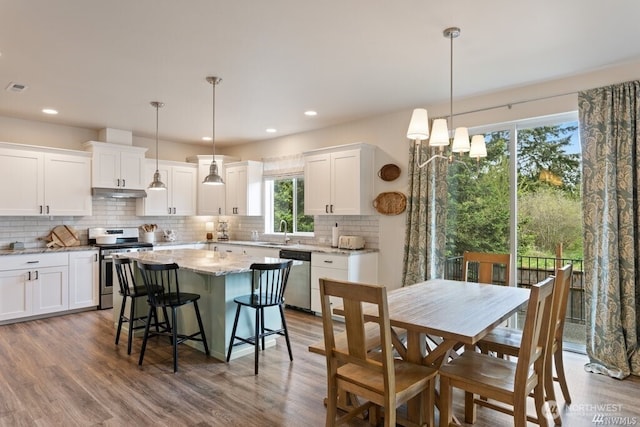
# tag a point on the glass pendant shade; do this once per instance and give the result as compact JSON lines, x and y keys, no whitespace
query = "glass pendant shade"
{"x":439,"y":133}
{"x":461,"y":141}
{"x":157,"y":184}
{"x":419,"y":125}
{"x":478,"y":147}
{"x":214,"y":177}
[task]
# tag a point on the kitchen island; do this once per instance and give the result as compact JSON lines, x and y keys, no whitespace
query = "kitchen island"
{"x":218,"y":277}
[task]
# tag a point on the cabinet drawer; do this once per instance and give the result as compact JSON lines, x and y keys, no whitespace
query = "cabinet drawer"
{"x":329,"y":261}
{"x":18,"y":262}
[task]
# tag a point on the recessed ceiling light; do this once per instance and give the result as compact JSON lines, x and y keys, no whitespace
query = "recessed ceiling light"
{"x":271,"y":130}
{"x":207,"y":138}
{"x":310,"y":113}
{"x":50,"y":111}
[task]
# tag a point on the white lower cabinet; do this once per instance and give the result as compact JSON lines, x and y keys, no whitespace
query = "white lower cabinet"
{"x":230,"y":249}
{"x":51,"y":290}
{"x":361,"y":267}
{"x":258,"y":251}
{"x":40,"y":284}
{"x":16,"y":294}
{"x":84,"y":285}
{"x":33,"y":284}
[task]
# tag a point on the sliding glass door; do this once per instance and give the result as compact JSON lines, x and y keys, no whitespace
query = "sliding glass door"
{"x":527,"y":204}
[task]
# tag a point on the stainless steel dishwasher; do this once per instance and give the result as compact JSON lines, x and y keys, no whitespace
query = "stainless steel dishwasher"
{"x":298,"y":292}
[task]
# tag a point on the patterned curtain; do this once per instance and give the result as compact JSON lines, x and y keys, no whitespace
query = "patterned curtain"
{"x":424,"y":247}
{"x":610,"y":136}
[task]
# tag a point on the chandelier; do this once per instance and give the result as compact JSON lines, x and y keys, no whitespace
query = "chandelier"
{"x":440,"y":136}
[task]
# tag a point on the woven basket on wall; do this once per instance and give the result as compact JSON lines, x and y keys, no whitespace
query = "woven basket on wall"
{"x":390,"y":203}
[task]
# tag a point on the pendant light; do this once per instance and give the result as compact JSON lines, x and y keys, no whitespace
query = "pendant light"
{"x":157,"y":184}
{"x":213,"y":178}
{"x":440,"y":137}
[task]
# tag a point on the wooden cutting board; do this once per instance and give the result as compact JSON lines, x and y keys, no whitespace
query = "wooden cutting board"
{"x":63,"y":236}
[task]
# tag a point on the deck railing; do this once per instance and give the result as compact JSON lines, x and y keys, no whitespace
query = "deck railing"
{"x":533,"y":270}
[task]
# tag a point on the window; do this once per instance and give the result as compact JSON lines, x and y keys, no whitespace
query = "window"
{"x":285,"y":202}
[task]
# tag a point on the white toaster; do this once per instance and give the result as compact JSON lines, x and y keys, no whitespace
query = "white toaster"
{"x":351,"y":242}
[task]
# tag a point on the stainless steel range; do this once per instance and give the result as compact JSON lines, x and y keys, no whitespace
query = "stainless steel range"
{"x":126,"y":241}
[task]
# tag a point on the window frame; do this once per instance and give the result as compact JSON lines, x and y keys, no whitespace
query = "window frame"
{"x":268,"y":207}
{"x":513,"y":127}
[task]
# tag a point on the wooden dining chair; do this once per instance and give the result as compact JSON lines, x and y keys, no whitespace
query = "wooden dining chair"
{"x":381,"y":381}
{"x":481,"y":266}
{"x":506,"y":381}
{"x":507,"y":341}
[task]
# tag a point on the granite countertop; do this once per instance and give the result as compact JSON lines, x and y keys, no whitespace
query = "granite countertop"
{"x":45,"y":250}
{"x":201,"y":260}
{"x":297,"y":246}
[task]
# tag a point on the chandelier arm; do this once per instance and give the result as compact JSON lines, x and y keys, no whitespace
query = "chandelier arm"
{"x":435,"y":156}
{"x":454,"y":160}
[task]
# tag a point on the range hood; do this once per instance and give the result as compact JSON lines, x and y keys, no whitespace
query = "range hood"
{"x":117,"y":193}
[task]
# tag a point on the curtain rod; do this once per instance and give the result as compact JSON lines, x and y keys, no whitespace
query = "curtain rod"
{"x":511,"y":104}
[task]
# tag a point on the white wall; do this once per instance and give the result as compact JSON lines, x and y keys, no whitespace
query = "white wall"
{"x":387,"y":132}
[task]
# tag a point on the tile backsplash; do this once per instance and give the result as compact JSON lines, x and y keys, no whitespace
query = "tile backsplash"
{"x":32,"y":231}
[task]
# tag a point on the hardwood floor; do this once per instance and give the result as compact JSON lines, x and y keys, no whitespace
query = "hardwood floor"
{"x":67,"y":371}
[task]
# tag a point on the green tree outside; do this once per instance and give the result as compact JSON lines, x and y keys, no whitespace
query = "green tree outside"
{"x":283,"y":204}
{"x":549,"y":211}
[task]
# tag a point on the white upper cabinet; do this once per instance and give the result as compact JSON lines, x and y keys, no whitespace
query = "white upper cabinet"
{"x":180,"y":196}
{"x":339,"y":180}
{"x":41,"y":181}
{"x":243,"y":182}
{"x":117,"y":166}
{"x":211,"y":198}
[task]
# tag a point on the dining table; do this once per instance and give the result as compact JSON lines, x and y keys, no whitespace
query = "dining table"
{"x":431,"y":319}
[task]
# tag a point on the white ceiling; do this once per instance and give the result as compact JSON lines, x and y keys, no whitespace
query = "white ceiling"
{"x":101,"y":62}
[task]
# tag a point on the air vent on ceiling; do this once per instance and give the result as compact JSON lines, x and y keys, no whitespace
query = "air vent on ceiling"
{"x":16,"y":87}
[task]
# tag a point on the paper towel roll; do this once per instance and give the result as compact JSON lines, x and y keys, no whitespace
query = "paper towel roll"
{"x":335,"y":233}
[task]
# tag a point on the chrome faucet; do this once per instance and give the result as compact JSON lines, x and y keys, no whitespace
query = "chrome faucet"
{"x":283,"y":222}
